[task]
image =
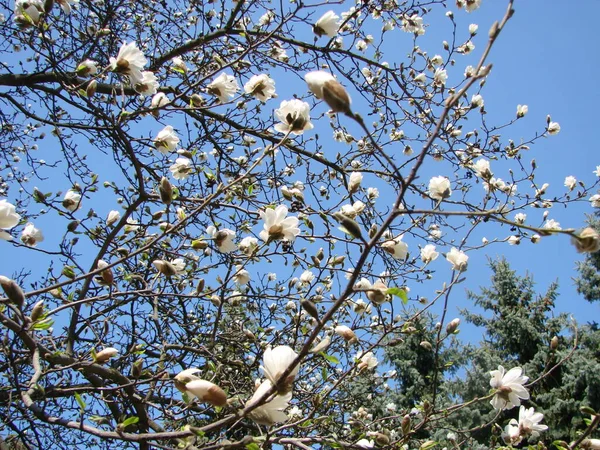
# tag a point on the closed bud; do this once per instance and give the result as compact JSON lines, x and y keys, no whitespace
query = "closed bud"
{"x":199,"y":244}
{"x":346,"y":333}
{"x":166,"y":191}
{"x":164,"y":267}
{"x":426,"y":345}
{"x":372,"y":231}
{"x":249,"y":334}
{"x":349,"y":225}
{"x":72,"y":226}
{"x":310,"y":308}
{"x":452,"y":326}
{"x":38,"y":311}
{"x":382,"y":439}
{"x":91,"y":88}
{"x":196,"y":100}
{"x":13,"y":291}
{"x":494,"y":30}
{"x":554,"y":343}
{"x":107,"y":274}
{"x":105,"y":355}
{"x":200,"y":286}
{"x":405,"y":424}
{"x":136,"y":368}
{"x":68,"y":272}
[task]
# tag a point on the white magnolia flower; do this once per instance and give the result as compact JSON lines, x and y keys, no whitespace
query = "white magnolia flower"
{"x":275,"y":362}
{"x":592,"y":444}
{"x":469,"y":5}
{"x":413,"y":24}
{"x":248,"y":245}
{"x":473,"y":29}
{"x":307,"y":277}
{"x":72,"y":200}
{"x":361,"y":45}
{"x":372,"y":193}
{"x":482,"y":168}
{"x":511,"y":434}
{"x":242,"y":276}
{"x":277,"y":226}
{"x":440,"y":77}
{"x":271,"y":412}
{"x":396,"y":247}
{"x":105,"y":354}
{"x":529,"y":422}
{"x":552,"y":224}
{"x":159,"y":100}
{"x":204,"y":390}
{"x":266,"y":18}
{"x":179,"y":65}
{"x":8,"y":219}
{"x":458,"y":259}
{"x":514,"y":240}
{"x":439,"y":188}
{"x":437,"y":60}
{"x":428,"y":253}
{"x":169,"y":268}
{"x":520,"y":218}
{"x":129,"y":61}
{"x":355,"y":180}
{"x":326,"y":87}
{"x":420,"y":78}
{"x":346,"y":332}
{"x":553,"y":128}
{"x":466,"y":48}
{"x":522,"y":110}
{"x":477,"y":101}
{"x":182,"y":168}
{"x":509,"y":388}
{"x":28,"y":12}
{"x":65,"y":5}
{"x":166,"y":140}
{"x":367,"y":360}
{"x":261,"y":86}
{"x":148,"y":85}
{"x":328,"y":25}
{"x":31,"y":235}
{"x":595,"y":200}
{"x":597,"y":171}
{"x":224,"y":239}
{"x":570,"y":182}
{"x":87,"y":68}
{"x":224,"y":87}
{"x":294,"y":116}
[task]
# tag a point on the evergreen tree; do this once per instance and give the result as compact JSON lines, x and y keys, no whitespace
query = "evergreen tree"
{"x":588,"y":282}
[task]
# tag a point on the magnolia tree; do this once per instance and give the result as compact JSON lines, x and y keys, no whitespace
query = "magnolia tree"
{"x":218,"y":244}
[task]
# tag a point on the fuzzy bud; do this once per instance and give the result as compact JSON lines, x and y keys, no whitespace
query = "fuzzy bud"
{"x":166,"y":191}
{"x":13,"y":291}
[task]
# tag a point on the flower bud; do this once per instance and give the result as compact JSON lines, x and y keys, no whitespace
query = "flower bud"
{"x":405,"y":424}
{"x":136,"y":368}
{"x":310,"y":308}
{"x":105,"y":355}
{"x":346,"y":333}
{"x":426,"y":345}
{"x":588,"y":241}
{"x":91,"y":88}
{"x":452,"y":326}
{"x":166,"y":191}
{"x":164,"y":267}
{"x":38,"y":311}
{"x":107,"y":274}
{"x":13,"y":291}
{"x":554,"y":343}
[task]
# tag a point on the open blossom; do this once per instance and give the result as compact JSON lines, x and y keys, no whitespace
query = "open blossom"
{"x":182,"y":168}
{"x":509,"y":388}
{"x":595,"y":200}
{"x":148,"y":85}
{"x":275,"y":362}
{"x":529,"y":422}
{"x":271,"y":412}
{"x":552,"y":224}
{"x":570,"y":182}
{"x":458,"y":259}
{"x":129,"y":61}
{"x":87,"y":68}
{"x":326,"y":87}
{"x":242,"y":276}
{"x":169,"y":268}
{"x":31,"y":235}
{"x":365,"y":443}
{"x":28,"y":12}
{"x":428,"y":253}
{"x":277,"y":226}
{"x":248,"y":245}
{"x":294,"y":116}
{"x":346,"y":332}
{"x":440,"y":77}
{"x":396,"y":247}
{"x":413,"y":24}
{"x":553,"y":128}
{"x":166,"y":140}
{"x":224,"y":87}
{"x":469,"y":5}
{"x":522,"y":110}
{"x":261,"y":86}
{"x":8,"y":219}
{"x":327,"y":25}
{"x":72,"y":200}
{"x":179,"y":65}
{"x":224,"y":239}
{"x":477,"y":101}
{"x":520,"y":218}
{"x":366,"y":360}
{"x":159,"y":100}
{"x":482,"y":168}
{"x":439,"y":188}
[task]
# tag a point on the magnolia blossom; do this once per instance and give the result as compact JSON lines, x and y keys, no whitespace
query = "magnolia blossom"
{"x":8,"y":219}
{"x":65,"y":5}
{"x":72,"y":200}
{"x":187,"y":382}
{"x":511,"y":434}
{"x":413,"y":24}
{"x":224,"y":87}
{"x":520,"y":218}
{"x":129,"y":61}
{"x":261,"y":86}
{"x":31,"y":235}
{"x":428,"y":253}
{"x":179,"y":65}
{"x":148,"y":85}
{"x":439,"y":188}
{"x":294,"y":116}
{"x":271,"y":412}
{"x":595,"y":200}
{"x":440,"y":77}
{"x":277,"y":226}
{"x":522,"y":110}
{"x":365,"y":443}
{"x":366,"y":360}
{"x":588,"y":241}
{"x":105,"y":354}
{"x":87,"y":68}
{"x":355,"y":180}
{"x":482,"y":168}
{"x":242,"y":276}
{"x":346,"y":332}
{"x":469,"y":5}
{"x":552,"y":224}
{"x":529,"y":422}
{"x":224,"y":239}
{"x":275,"y":362}
{"x":326,"y":87}
{"x":159,"y":100}
{"x":248,"y":245}
{"x":396,"y":248}
{"x":327,"y":25}
{"x":166,"y":140}
{"x":477,"y":100}
{"x":307,"y":277}
{"x":28,"y":12}
{"x":182,"y":168}
{"x":509,"y":388}
{"x":169,"y":268}
{"x":553,"y":128}
{"x":570,"y":182}
{"x":458,"y":259}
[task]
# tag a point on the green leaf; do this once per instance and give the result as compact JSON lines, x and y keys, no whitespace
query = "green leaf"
{"x":129,"y":421}
{"x":398,"y":292}
{"x":250,"y":189}
{"x":330,"y":358}
{"x":80,"y":401}
{"x":43,"y":324}
{"x":252,"y":446}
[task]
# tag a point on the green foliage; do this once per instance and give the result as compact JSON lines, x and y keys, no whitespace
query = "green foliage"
{"x":588,"y":282}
